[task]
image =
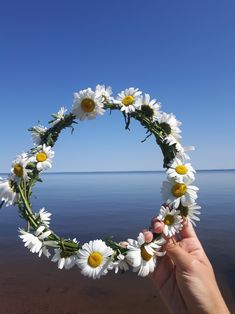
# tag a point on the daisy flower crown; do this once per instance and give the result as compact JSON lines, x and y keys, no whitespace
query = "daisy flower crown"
{"x":97,"y":257}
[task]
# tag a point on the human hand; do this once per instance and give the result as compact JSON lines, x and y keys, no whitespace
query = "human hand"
{"x":185,"y":278}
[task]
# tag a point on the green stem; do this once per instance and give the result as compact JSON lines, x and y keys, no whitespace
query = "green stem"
{"x":50,"y":137}
{"x":28,"y":209}
{"x":31,"y":218}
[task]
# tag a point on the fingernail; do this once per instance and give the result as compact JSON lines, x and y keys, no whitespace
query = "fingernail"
{"x":158,"y":226}
{"x":148,"y":236}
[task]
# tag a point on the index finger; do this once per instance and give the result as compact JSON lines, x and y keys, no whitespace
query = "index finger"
{"x":188,"y":231}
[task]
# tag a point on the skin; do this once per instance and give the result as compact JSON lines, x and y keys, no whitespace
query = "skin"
{"x":185,"y":279}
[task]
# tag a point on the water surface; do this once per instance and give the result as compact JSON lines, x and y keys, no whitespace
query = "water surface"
{"x":94,"y":205}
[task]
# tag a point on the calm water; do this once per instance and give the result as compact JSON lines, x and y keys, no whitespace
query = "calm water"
{"x":89,"y":206}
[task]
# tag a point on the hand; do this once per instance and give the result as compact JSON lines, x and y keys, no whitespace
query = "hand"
{"x":185,"y":278}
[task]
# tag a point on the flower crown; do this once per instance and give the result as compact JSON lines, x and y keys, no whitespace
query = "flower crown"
{"x":97,"y":257}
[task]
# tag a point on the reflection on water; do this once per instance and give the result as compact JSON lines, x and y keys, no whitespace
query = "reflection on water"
{"x":89,"y":206}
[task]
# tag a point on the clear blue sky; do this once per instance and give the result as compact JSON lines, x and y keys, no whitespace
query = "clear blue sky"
{"x":181,"y":52}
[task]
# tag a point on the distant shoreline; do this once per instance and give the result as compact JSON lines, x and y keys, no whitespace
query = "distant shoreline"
{"x":121,"y":172}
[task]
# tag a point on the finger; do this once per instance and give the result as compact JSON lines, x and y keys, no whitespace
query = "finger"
{"x":179,"y":256}
{"x":188,"y":231}
{"x":162,"y":272}
{"x":148,"y":235}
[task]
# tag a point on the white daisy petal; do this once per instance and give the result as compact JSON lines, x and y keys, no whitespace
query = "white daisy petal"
{"x":149,"y":108}
{"x":94,"y":258}
{"x":37,"y":133}
{"x":35,"y":242}
{"x":141,"y":255}
{"x":6,"y":192}
{"x":181,"y":172}
{"x":43,"y":157}
{"x":43,"y":216}
{"x":19,"y":170}
{"x":190,"y":212}
{"x":128,"y":99}
{"x":174,"y":192}
{"x":63,"y":262}
{"x":104,"y":93}
{"x":171,"y":127}
{"x":88,"y":104}
{"x":172,"y":220}
{"x":59,"y":116}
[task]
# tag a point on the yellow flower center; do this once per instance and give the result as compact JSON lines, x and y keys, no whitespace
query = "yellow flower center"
{"x":95,"y":259}
{"x":169,"y":220}
{"x":179,"y":189}
{"x":88,"y":105}
{"x":181,"y":169}
{"x":145,"y":255}
{"x":41,"y":157}
{"x":18,"y":170}
{"x":128,"y":100}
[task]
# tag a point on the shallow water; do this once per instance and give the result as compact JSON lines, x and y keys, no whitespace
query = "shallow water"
{"x":95,"y":205}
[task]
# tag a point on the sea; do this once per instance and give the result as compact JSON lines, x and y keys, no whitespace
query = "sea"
{"x":96,"y":205}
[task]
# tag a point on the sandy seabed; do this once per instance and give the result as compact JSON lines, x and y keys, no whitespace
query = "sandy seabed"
{"x":34,"y":286}
{"x":39,"y":287}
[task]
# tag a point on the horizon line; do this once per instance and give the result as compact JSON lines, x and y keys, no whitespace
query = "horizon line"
{"x":123,"y":171}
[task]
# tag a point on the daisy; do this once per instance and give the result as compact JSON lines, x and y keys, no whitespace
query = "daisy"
{"x":171,"y":140}
{"x":182,"y":151}
{"x":170,"y":126}
{"x":128,"y":99}
{"x":37,"y":133}
{"x":179,"y":171}
{"x":120,"y":263}
{"x":150,"y":108}
{"x":142,"y":256}
{"x":104,"y":93}
{"x":43,"y":157}
{"x":172,"y":220}
{"x":18,"y":168}
{"x":189,"y":212}
{"x":66,"y":262}
{"x":60,"y":115}
{"x":35,"y":242}
{"x":87,"y":104}
{"x":176,"y":193}
{"x":43,"y":217}
{"x":94,"y":258}
{"x":7,"y":195}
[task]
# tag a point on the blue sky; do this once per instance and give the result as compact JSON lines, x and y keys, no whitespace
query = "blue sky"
{"x":181,"y":52}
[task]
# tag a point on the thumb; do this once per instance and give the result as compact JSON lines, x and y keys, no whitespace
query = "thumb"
{"x":179,"y":256}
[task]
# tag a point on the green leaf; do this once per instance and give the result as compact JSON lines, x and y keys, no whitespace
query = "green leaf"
{"x":31,"y":165}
